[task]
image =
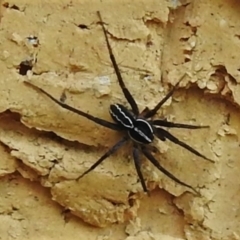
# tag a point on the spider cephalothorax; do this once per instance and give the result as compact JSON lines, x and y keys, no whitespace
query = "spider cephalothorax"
{"x":140,"y":127}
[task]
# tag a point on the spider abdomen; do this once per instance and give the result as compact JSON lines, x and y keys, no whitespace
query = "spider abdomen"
{"x":142,"y":131}
{"x":122,"y":116}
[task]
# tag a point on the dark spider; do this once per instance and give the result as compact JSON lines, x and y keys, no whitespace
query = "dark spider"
{"x":140,"y":130}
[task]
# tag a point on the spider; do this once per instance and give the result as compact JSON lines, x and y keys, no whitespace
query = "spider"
{"x":139,"y":126}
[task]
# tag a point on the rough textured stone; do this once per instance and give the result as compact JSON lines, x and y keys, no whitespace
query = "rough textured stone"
{"x":45,"y":148}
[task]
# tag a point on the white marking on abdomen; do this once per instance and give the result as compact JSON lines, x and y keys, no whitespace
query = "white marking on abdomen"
{"x":142,"y":134}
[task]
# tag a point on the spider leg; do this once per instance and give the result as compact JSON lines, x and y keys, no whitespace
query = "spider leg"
{"x":153,"y":111}
{"x":79,"y":112}
{"x":125,"y":91}
{"x":160,"y":133}
{"x":144,"y":112}
{"x":164,"y":123}
{"x":113,"y":149}
{"x":154,"y":161}
{"x":137,"y":162}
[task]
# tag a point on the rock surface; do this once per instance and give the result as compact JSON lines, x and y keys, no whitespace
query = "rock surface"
{"x":60,"y":47}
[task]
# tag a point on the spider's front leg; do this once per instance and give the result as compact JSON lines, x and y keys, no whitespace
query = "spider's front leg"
{"x":125,"y":91}
{"x":152,"y":112}
{"x":97,"y":120}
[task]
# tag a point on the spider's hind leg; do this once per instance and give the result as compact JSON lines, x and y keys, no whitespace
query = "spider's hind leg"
{"x":165,"y":123}
{"x":154,"y":161}
{"x":137,"y":162}
{"x":160,"y":133}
